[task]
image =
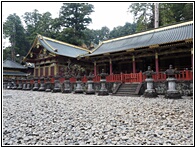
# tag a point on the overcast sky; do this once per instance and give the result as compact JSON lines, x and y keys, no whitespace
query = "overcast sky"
{"x":110,"y":14}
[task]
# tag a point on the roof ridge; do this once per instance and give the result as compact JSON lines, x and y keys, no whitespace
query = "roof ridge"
{"x":61,"y":42}
{"x":149,"y":31}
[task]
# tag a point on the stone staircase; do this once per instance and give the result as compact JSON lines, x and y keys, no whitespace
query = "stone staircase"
{"x":130,"y":89}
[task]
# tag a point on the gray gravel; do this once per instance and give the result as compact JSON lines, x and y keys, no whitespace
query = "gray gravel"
{"x":39,"y":118}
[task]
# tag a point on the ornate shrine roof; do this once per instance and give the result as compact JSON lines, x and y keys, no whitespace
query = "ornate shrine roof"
{"x":13,"y":65}
{"x":158,"y":36}
{"x":14,"y":73}
{"x":58,"y":47}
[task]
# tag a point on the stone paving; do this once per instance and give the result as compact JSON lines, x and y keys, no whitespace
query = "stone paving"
{"x":40,"y":118}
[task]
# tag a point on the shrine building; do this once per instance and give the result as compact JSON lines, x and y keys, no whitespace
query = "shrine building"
{"x":130,"y":54}
{"x":157,"y":48}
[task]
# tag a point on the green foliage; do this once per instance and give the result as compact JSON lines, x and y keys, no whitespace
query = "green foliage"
{"x":14,"y":31}
{"x":143,"y":13}
{"x":175,"y":12}
{"x":75,"y":18}
{"x":7,"y":53}
{"x":169,"y":13}
{"x":119,"y":31}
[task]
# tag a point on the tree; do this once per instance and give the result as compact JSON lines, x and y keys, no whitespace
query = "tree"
{"x":32,"y":20}
{"x":168,"y":13}
{"x":143,"y":13}
{"x":75,"y":18}
{"x":175,"y":12}
{"x":119,"y":31}
{"x":14,"y":30}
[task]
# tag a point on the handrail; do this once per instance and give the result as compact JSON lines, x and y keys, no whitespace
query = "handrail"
{"x":130,"y":78}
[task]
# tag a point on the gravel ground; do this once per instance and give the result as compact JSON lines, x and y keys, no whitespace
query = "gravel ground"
{"x":39,"y":118}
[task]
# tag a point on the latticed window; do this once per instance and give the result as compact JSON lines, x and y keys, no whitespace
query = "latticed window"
{"x":36,"y":72}
{"x":46,"y":71}
{"x":41,"y":71}
{"x":52,"y":71}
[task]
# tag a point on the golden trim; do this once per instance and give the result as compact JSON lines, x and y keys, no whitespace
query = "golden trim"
{"x":110,"y":61}
{"x":154,"y":46}
{"x":130,"y":50}
{"x":189,"y":40}
{"x":156,"y":55}
{"x":60,"y":42}
{"x":106,"y":54}
{"x":150,"y":31}
{"x":133,"y":58}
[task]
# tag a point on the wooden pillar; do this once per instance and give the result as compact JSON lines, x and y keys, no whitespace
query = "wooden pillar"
{"x":34,"y":73}
{"x":39,"y":71}
{"x":95,"y":68}
{"x":133,"y":60}
{"x":156,"y":62}
{"x":56,"y":69}
{"x":110,"y":66}
{"x":192,"y":58}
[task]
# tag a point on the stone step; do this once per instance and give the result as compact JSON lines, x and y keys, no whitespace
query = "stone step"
{"x":127,"y":90}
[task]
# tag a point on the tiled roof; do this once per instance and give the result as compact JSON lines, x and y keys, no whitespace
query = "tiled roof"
{"x":158,"y":36}
{"x":11,"y":64}
{"x":15,"y":73}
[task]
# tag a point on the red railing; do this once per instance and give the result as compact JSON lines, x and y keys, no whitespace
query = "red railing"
{"x":129,"y":78}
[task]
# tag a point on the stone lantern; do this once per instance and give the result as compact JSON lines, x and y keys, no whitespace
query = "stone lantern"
{"x":14,"y":83}
{"x":20,"y":84}
{"x":28,"y":84}
{"x":90,"y":89}
{"x":79,"y":88}
{"x":47,"y":85}
{"x":67,"y":86}
{"x":150,"y":91}
{"x":57,"y":84}
{"x":103,"y":90}
{"x":172,"y":92}
{"x":9,"y":84}
{"x":42,"y":84}
{"x":36,"y":85}
{"x":24,"y":84}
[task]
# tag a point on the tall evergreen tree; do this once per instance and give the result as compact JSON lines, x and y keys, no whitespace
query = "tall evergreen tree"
{"x":75,"y":18}
{"x":14,"y":31}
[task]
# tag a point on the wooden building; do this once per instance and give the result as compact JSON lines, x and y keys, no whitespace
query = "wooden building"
{"x":12,"y":69}
{"x":51,"y":57}
{"x":158,"y":48}
{"x":129,"y":55}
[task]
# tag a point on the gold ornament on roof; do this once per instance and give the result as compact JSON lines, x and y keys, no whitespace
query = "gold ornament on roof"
{"x":38,"y":44}
{"x":44,"y":51}
{"x":31,"y":54}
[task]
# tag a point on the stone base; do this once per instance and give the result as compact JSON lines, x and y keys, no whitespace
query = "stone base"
{"x":103,"y":93}
{"x":66,"y":91}
{"x":150,"y":94}
{"x":41,"y":89}
{"x":48,"y":90}
{"x":173,"y":95}
{"x":90,"y":92}
{"x":19,"y":88}
{"x":35,"y":88}
{"x":56,"y":90}
{"x":28,"y":88}
{"x":80,"y":91}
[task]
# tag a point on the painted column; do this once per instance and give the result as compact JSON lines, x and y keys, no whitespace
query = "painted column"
{"x":110,"y":66}
{"x":133,"y":60}
{"x":95,"y":68}
{"x":156,"y":62}
{"x":192,"y":58}
{"x":34,"y":73}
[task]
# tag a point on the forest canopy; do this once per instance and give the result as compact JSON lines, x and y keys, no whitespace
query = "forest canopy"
{"x":72,"y":25}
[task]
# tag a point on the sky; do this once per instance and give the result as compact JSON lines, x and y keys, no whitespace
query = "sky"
{"x":110,"y":14}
